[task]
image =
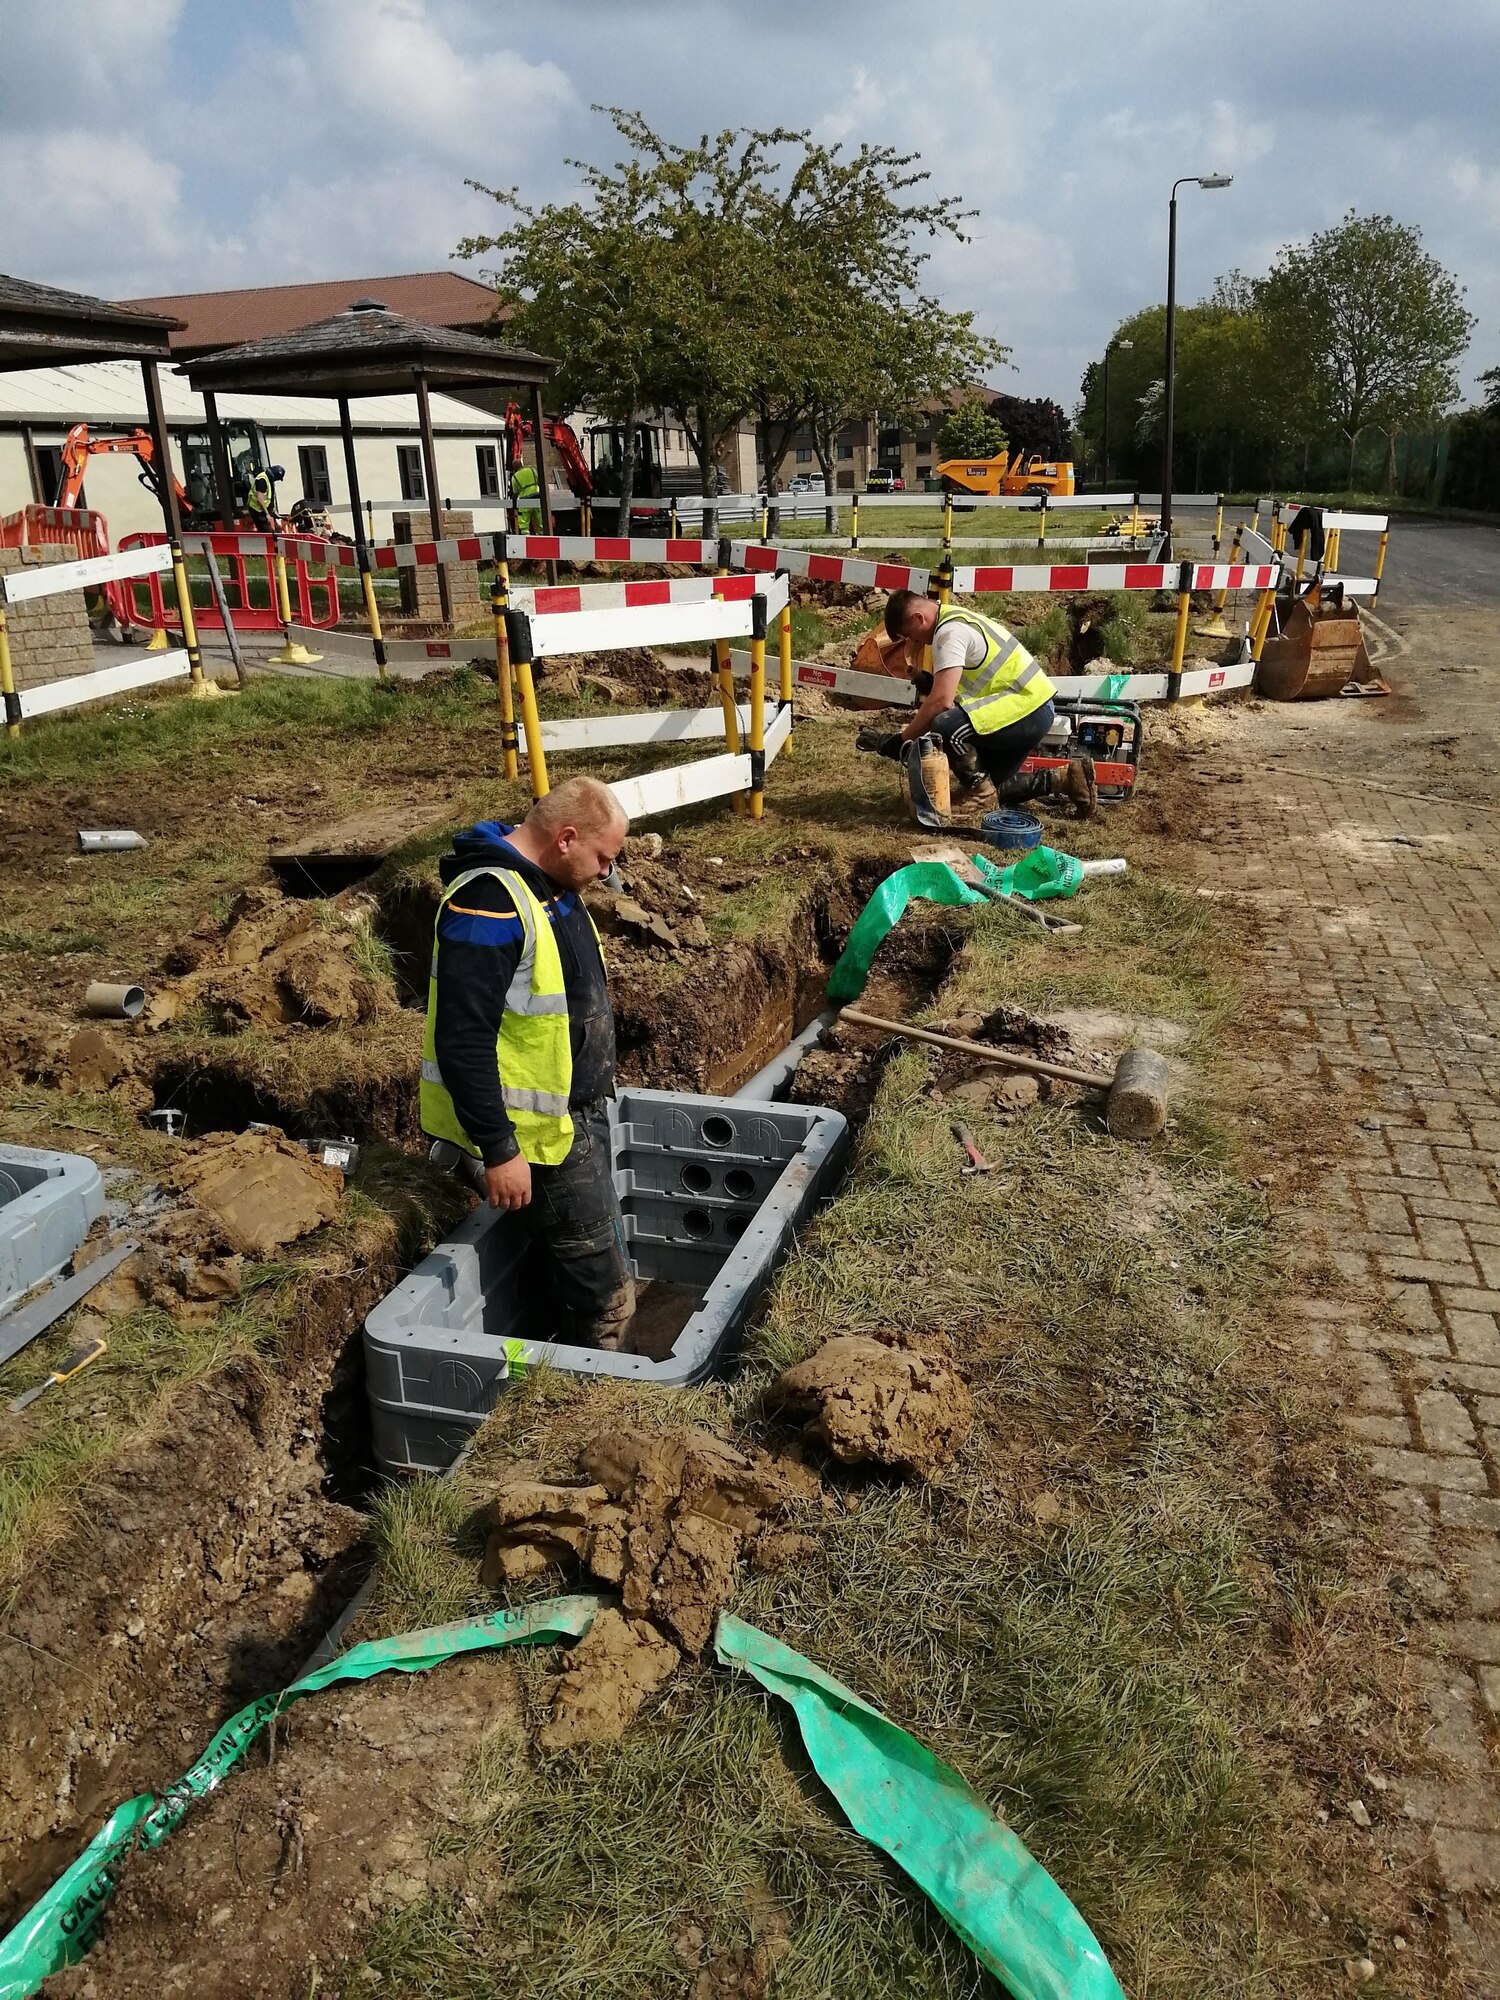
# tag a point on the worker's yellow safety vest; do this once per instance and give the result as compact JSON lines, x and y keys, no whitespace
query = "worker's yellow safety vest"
{"x":534,"y":1053}
{"x":1007,"y":684}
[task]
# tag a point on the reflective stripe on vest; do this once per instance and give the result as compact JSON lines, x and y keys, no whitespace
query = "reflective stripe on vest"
{"x":1007,"y":684}
{"x":533,"y":1052}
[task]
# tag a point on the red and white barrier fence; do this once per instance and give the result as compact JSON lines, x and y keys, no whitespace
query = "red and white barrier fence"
{"x":51,"y":579}
{"x":705,"y":778}
{"x":706,"y":614}
{"x":547,"y":599}
{"x":763,"y":557}
{"x":1044,"y":578}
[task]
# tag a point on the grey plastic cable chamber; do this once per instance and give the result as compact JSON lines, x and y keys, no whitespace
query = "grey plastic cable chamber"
{"x":712,"y":1190}
{"x":48,"y":1203}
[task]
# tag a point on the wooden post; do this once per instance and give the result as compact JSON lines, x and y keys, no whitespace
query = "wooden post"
{"x":156,"y":423}
{"x":361,"y":542}
{"x":434,"y":497}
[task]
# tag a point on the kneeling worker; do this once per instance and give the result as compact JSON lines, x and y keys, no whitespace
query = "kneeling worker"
{"x":989,"y":705}
{"x":519,"y":1057}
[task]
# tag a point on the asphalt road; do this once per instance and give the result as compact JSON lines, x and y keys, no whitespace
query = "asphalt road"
{"x":1451,"y":564}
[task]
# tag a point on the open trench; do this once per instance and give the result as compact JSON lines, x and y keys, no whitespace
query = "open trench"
{"x":207,"y":1560}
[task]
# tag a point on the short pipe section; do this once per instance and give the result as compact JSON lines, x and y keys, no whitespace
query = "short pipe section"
{"x":774,"y":1080}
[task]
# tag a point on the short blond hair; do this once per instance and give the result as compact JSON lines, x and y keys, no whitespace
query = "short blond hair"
{"x":580,"y":802}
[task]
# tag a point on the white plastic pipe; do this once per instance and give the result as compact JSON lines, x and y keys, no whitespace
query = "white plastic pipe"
{"x":1114,"y":867}
{"x":108,"y":840}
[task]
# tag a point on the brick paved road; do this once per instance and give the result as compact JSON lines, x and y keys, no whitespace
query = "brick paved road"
{"x":1382,"y":956}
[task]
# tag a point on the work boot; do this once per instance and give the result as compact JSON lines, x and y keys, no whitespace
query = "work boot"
{"x":1079,"y":786}
{"x":974,"y":794}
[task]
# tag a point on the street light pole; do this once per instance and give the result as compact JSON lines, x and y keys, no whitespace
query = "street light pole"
{"x":1204,"y":181}
{"x":1110,"y":346}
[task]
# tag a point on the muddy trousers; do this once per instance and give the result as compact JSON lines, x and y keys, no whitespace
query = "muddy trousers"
{"x":997,"y":756}
{"x":574,"y":1217}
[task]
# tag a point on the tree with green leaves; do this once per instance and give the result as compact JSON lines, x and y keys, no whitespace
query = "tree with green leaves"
{"x":1365,"y":327}
{"x":732,"y":276}
{"x":971,"y":432}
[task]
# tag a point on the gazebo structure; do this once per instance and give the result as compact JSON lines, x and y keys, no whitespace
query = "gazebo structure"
{"x":42,"y":327}
{"x":368,"y":350}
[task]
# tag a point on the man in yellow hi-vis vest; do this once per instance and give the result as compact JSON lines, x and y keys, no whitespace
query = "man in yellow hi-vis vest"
{"x":989,"y":703}
{"x":518,"y":1063}
{"x":526,"y":497}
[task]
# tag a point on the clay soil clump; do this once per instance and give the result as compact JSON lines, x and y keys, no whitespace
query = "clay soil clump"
{"x":876,"y":1402}
{"x":280,"y":961}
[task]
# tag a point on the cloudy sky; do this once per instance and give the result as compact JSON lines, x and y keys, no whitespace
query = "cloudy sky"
{"x":184,"y":145}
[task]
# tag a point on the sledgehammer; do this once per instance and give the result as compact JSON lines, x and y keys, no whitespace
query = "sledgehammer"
{"x":1137,"y":1092}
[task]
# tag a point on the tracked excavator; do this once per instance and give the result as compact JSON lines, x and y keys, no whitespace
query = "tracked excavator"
{"x":253,"y":475}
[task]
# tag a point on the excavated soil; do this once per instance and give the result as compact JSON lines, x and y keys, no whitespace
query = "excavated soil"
{"x":878,"y":1400}
{"x":270,"y":1887}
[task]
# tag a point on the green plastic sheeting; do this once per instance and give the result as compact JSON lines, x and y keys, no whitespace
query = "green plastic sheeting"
{"x":905,"y":1801}
{"x":932,"y":881}
{"x":59,"y":1927}
{"x":1112,"y":687}
{"x":1041,"y":872}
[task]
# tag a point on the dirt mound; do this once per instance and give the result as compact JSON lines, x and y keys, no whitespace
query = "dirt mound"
{"x":266,"y":1889}
{"x":664,"y":1519}
{"x":874,"y":1402}
{"x":612,"y":1672}
{"x":281,"y":960}
{"x":260,"y":1189}
{"x":632,"y":678}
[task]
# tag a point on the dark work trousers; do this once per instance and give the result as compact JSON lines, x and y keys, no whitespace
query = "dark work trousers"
{"x":999,"y":754}
{"x":574,"y":1213}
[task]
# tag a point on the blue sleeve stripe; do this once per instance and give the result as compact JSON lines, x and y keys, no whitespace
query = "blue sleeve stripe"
{"x":479,"y":927}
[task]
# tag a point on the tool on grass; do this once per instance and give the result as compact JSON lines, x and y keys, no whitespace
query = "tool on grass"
{"x":977,"y":1163}
{"x":1137,"y":1092}
{"x":27,"y":1323}
{"x":73,"y":1363}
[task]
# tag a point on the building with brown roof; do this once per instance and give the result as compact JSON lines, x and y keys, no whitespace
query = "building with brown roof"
{"x":214,"y":320}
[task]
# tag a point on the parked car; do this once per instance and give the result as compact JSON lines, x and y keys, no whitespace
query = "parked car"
{"x":883,"y":480}
{"x":806,"y":482}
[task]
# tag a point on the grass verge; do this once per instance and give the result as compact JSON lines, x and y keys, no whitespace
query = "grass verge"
{"x":1136,"y":1614}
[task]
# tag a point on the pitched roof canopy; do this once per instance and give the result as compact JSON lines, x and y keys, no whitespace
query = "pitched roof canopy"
{"x":366,"y":350}
{"x":42,"y":326}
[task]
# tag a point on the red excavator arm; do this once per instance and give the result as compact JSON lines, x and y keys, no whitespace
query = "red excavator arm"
{"x":78,"y":448}
{"x":561,"y":439}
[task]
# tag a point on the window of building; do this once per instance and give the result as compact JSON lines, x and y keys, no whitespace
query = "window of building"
{"x":312,"y":459}
{"x":924,"y":471}
{"x":409,"y":471}
{"x":846,"y":451}
{"x":487,"y":459}
{"x":804,"y":455}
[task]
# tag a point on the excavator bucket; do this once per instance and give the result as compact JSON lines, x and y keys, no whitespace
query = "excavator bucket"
{"x":1319,"y":650}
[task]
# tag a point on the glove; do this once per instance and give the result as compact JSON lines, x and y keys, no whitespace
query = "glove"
{"x":884,"y":742}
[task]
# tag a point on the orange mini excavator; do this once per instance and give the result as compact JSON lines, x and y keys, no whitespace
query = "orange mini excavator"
{"x":249,"y":457}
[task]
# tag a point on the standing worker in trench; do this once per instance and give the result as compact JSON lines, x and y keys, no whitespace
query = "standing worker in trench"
{"x":989,"y":703}
{"x":518,"y":1062}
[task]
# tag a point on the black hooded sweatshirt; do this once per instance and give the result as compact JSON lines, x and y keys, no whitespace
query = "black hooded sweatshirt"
{"x":479,"y":940}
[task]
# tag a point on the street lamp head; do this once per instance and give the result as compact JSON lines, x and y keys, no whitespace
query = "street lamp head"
{"x":1124,"y":345}
{"x":1215,"y":180}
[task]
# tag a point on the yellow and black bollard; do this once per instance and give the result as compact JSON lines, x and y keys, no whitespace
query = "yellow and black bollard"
{"x":8,"y":693}
{"x":204,"y":690}
{"x":854,"y":521}
{"x":499,"y":605}
{"x":948,"y":520}
{"x":372,"y":609}
{"x":1179,"y":636}
{"x":1041,"y":533}
{"x":1214,"y":626}
{"x":1385,"y":538}
{"x":725,"y":665}
{"x":784,"y":656}
{"x":293,"y":653}
{"x":518,"y":645}
{"x":1219,"y":528}
{"x":757,"y":706}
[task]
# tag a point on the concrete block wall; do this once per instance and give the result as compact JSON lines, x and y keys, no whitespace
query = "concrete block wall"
{"x":419,"y":587}
{"x":49,"y":636}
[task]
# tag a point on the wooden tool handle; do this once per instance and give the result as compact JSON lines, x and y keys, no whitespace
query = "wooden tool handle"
{"x":1085,"y":1079}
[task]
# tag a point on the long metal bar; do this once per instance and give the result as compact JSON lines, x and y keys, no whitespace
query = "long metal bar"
{"x":25,"y":1325}
{"x":156,"y":420}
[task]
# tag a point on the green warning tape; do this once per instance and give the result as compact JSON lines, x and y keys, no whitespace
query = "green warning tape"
{"x":60,"y":1926}
{"x":932,"y":881}
{"x":915,"y":1808}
